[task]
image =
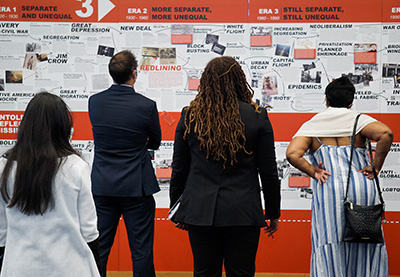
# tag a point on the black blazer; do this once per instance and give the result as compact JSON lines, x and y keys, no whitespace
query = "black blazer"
{"x":125,"y":125}
{"x":213,"y":196}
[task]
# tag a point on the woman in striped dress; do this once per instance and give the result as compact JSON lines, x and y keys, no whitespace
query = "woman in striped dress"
{"x":327,"y":138}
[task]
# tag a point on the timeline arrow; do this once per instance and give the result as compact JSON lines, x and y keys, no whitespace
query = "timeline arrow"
{"x":105,"y":6}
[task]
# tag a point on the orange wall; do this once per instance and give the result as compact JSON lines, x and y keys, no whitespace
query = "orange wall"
{"x":288,"y":253}
{"x":284,"y":124}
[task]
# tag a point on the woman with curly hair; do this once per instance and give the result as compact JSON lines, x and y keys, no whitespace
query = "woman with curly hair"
{"x":223,"y":143}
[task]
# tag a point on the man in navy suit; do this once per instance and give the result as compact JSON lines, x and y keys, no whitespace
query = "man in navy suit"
{"x":125,"y":125}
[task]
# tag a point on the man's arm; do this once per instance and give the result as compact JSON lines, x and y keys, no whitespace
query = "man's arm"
{"x":154,"y":130}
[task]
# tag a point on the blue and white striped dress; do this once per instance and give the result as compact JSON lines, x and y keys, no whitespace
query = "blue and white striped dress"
{"x":331,"y":256}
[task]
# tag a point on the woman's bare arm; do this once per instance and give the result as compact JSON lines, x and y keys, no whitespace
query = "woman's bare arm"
{"x":295,"y":152}
{"x":383,"y":136}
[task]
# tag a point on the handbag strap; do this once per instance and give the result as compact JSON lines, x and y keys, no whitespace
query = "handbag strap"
{"x":374,"y":172}
{"x":351,"y":154}
{"x":372,"y":163}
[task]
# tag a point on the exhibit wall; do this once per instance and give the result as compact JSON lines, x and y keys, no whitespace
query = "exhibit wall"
{"x":289,"y":53}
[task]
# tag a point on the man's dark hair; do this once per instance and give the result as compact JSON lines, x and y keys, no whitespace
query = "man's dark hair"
{"x":340,"y":93}
{"x":121,"y":66}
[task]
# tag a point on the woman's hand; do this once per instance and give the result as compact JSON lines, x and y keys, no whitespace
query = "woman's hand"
{"x":272,"y":227}
{"x":367,"y":171}
{"x":180,"y":226}
{"x":321,"y":174}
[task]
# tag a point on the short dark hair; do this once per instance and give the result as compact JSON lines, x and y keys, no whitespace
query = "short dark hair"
{"x":121,"y":66}
{"x":340,"y":93}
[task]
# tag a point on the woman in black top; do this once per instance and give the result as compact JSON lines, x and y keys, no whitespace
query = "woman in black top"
{"x":224,"y":145}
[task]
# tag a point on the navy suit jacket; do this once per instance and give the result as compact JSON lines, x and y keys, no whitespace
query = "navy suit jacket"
{"x":125,"y":125}
{"x":214,"y":196}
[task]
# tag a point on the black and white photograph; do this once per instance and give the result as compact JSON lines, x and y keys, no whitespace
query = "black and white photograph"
{"x":105,"y":51}
{"x":260,"y":31}
{"x":181,"y":29}
{"x":33,"y":47}
{"x":2,"y":84}
{"x":218,"y":48}
{"x":311,"y":76}
{"x":167,"y":55}
{"x":310,"y":66}
{"x":211,"y":39}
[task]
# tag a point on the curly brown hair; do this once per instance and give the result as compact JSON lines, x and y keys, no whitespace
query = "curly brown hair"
{"x":215,"y":110}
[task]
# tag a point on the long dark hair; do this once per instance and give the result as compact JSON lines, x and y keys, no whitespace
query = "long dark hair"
{"x":215,"y":110}
{"x":43,"y":139}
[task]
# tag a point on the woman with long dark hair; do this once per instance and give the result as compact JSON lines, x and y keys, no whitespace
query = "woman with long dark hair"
{"x":224,"y":142}
{"x":47,"y":214}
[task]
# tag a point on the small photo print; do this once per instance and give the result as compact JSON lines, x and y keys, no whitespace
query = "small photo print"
{"x":305,"y":48}
{"x":168,"y":55}
{"x":194,"y":73}
{"x":194,"y":76}
{"x":364,"y":78}
{"x":148,"y":61}
{"x":261,"y":31}
{"x":181,"y":34}
{"x":211,"y":39}
{"x":1,"y":84}
{"x":282,"y":50}
{"x":30,"y":61}
{"x":365,"y":47}
{"x":13,"y":77}
{"x":218,"y":48}
{"x":298,"y":179}
{"x":369,"y":67}
{"x":42,"y":57}
{"x":33,"y":47}
{"x":310,"y":76}
{"x":181,"y":29}
{"x":260,"y":36}
{"x":105,"y":51}
{"x":310,"y":66}
{"x":391,"y":70}
{"x":270,"y":86}
{"x":150,"y":51}
{"x":365,"y":53}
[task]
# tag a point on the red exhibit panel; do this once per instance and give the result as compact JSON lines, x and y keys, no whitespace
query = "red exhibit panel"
{"x":391,"y":11}
{"x":299,"y":181}
{"x":284,"y":124}
{"x":193,"y":84}
{"x":189,"y":11}
{"x":364,"y":57}
{"x":321,"y":11}
{"x":289,"y":252}
{"x":124,"y":11}
{"x":9,"y":123}
{"x":261,"y":40}
{"x":50,"y":11}
{"x":305,"y":53}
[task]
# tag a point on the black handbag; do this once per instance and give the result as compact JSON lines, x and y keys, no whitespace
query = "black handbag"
{"x":363,"y":223}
